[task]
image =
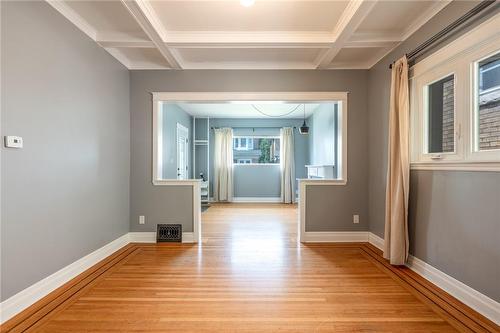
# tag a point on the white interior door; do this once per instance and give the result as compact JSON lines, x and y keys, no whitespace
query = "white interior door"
{"x":182,"y":152}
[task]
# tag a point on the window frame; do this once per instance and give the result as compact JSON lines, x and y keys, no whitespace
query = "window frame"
{"x":253,"y":137}
{"x":460,"y":58}
{"x":490,"y":154}
{"x":240,"y":146}
{"x":426,"y":122}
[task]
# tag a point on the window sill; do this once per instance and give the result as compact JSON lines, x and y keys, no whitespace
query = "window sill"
{"x":457,"y":166}
{"x":255,"y":164}
{"x":321,"y":181}
{"x":178,"y":182}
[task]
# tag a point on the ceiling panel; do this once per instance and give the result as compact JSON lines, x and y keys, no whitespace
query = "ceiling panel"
{"x":262,"y":16}
{"x":394,"y":16}
{"x":140,"y":58}
{"x":271,"y":34}
{"x":359,"y":57}
{"x":247,"y":57}
{"x":108,"y":18}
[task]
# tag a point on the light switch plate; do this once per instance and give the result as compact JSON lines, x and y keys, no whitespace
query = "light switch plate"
{"x":13,"y":141}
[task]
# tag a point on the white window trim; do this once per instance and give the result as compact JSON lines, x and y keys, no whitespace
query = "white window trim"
{"x":460,"y":58}
{"x":257,"y":136}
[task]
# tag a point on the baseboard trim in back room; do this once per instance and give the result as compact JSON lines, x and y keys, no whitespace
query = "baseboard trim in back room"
{"x":257,"y":199}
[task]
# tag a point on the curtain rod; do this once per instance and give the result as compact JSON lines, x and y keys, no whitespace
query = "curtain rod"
{"x":449,"y":29}
{"x":253,"y":127}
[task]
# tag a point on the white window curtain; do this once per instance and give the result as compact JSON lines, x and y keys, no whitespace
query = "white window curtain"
{"x":223,"y":164}
{"x":287,"y":164}
{"x":398,"y":168}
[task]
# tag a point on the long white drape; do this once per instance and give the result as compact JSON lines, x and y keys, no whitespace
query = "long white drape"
{"x":223,"y":164}
{"x":287,"y":164}
{"x":398,"y":168}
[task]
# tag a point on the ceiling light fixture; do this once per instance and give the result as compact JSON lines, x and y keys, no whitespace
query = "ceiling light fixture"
{"x":247,"y":3}
{"x":304,"y":129}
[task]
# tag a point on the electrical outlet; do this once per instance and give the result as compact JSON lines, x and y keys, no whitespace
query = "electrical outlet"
{"x":142,"y":219}
{"x":11,"y":141}
{"x":355,"y":219}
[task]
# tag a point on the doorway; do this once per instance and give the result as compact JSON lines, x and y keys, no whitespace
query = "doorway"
{"x":182,"y":152}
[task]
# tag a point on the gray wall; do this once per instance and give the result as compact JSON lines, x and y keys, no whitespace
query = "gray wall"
{"x":175,"y":204}
{"x":262,"y":180}
{"x":172,"y":114}
{"x":454,"y":216}
{"x":66,"y":193}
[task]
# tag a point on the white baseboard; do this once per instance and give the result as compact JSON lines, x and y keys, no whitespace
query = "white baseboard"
{"x":376,"y":241}
{"x":23,"y":299}
{"x":20,"y":301}
{"x":334,"y":236}
{"x":150,"y":237}
{"x":471,"y":297}
{"x":142,"y":237}
{"x":257,"y":199}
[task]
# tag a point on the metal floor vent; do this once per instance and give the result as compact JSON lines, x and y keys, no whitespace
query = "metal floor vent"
{"x":169,"y":233}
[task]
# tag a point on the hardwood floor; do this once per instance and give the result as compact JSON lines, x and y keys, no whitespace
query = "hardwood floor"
{"x":248,"y":275}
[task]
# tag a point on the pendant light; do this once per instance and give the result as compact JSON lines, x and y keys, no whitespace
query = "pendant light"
{"x":304,"y":129}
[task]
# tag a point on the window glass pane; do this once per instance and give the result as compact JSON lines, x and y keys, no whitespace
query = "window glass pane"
{"x":441,"y":116}
{"x":256,"y":150}
{"x":488,"y":119}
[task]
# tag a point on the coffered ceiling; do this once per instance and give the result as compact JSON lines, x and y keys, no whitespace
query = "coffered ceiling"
{"x":270,"y":34}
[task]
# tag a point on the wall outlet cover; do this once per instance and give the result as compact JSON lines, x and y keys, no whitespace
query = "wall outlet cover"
{"x":142,"y":219}
{"x":12,"y":141}
{"x":355,"y":219}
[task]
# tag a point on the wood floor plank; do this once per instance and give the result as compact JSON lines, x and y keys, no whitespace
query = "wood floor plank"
{"x":250,"y":275}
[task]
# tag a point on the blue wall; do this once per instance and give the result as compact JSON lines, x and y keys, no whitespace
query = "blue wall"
{"x":256,"y":180}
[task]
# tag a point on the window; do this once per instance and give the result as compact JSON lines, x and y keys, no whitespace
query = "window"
{"x":256,"y":150}
{"x":455,"y":104}
{"x":487,"y":104}
{"x":440,"y":104}
{"x":243,"y":143}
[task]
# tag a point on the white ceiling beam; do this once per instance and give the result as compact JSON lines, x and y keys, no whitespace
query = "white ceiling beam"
{"x":146,"y":18}
{"x":75,"y":18}
{"x":126,"y":44}
{"x":379,"y":36}
{"x":242,"y":39}
{"x":351,"y":18}
{"x":369,"y":44}
{"x":425,"y":16}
